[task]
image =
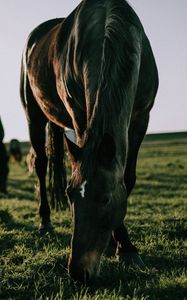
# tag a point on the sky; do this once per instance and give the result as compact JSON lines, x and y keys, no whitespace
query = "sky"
{"x":164,"y":21}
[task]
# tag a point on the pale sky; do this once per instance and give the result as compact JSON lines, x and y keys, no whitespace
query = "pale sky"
{"x":165,"y":22}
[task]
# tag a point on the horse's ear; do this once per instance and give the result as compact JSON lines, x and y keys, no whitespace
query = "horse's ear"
{"x":107,"y":150}
{"x":73,"y":149}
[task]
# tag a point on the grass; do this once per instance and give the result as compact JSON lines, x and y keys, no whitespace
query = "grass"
{"x":35,"y":267}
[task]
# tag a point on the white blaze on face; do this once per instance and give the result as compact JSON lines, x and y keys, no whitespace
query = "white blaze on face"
{"x":82,"y":189}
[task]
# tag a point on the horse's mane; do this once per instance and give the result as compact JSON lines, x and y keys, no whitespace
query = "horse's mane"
{"x":119,"y":55}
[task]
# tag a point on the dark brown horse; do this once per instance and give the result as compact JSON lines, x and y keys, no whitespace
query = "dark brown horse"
{"x":93,"y":72}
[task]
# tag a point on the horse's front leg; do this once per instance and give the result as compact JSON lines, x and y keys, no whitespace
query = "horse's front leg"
{"x":125,"y":249}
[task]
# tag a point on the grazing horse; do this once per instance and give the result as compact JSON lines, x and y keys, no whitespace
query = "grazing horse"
{"x":93,"y":72}
{"x":3,"y":162}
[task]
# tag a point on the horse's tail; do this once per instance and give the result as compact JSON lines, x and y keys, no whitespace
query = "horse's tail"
{"x":57,"y":170}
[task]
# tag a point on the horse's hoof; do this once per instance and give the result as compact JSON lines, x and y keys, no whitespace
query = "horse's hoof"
{"x":132,"y":259}
{"x":45,"y":228}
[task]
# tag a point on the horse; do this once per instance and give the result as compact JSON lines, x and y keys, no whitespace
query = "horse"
{"x":3,"y":162}
{"x":15,"y":150}
{"x":93,"y":72}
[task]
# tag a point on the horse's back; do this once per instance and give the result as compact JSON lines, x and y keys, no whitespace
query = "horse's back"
{"x":65,"y":64}
{"x":42,"y":29}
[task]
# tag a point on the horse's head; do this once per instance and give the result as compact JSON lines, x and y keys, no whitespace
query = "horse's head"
{"x":98,"y":197}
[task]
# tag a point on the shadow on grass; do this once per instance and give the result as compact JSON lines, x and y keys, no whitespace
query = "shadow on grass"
{"x":176,"y":229}
{"x":172,"y":291}
{"x":7,"y":222}
{"x":21,"y":189}
{"x":7,"y":241}
{"x":166,"y":263}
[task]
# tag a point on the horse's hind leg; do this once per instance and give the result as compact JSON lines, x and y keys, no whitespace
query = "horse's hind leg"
{"x":37,"y":137}
{"x":125,"y":248}
{"x":37,"y":124}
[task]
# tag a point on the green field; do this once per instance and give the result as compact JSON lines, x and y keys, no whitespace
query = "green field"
{"x":35,"y":267}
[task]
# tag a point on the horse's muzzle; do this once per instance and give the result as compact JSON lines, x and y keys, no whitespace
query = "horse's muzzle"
{"x":80,"y":273}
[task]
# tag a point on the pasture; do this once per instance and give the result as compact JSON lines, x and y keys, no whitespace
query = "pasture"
{"x":35,"y":267}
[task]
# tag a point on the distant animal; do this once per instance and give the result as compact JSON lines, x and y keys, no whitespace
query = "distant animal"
{"x":3,"y":162}
{"x":15,"y":150}
{"x":93,"y":72}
